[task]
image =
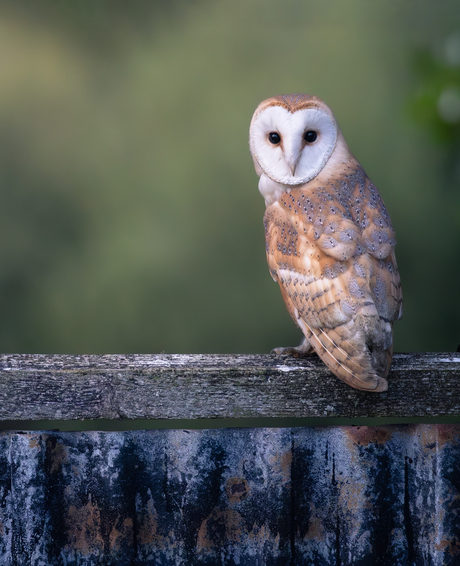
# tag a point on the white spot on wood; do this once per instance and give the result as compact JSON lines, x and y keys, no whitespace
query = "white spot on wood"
{"x":289,"y":368}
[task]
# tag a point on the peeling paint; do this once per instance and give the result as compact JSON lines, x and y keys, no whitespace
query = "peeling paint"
{"x":148,"y":525}
{"x":365,"y":435}
{"x":320,"y":495}
{"x":57,"y":454}
{"x":83,"y":529}
{"x":282,"y":463}
{"x":220,"y":528}
{"x":237,"y":489}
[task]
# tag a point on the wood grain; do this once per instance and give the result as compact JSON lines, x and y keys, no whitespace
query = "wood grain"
{"x":167,"y":386}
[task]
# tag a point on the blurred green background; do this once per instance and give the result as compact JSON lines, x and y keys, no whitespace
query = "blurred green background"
{"x":130,"y":219}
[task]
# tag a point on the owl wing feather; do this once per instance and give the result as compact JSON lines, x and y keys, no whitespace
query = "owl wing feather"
{"x":331,"y":251}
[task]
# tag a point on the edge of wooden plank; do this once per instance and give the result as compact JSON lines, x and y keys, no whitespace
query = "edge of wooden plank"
{"x":179,"y":386}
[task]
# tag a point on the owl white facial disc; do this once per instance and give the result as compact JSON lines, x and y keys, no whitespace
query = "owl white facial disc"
{"x":292,"y":147}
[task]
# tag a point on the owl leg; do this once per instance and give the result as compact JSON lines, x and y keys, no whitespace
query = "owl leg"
{"x":302,"y":350}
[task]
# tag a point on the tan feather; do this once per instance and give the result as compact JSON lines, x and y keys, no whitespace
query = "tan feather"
{"x":338,"y":290}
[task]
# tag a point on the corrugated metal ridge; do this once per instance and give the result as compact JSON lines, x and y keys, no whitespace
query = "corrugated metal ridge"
{"x":324,"y":496}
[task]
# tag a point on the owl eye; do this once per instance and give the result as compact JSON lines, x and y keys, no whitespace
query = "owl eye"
{"x":310,"y":136}
{"x":274,"y":138}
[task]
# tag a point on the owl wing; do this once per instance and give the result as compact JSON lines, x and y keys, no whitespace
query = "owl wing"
{"x":343,"y":298}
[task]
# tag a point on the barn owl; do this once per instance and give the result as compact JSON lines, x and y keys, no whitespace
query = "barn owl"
{"x":329,"y":240}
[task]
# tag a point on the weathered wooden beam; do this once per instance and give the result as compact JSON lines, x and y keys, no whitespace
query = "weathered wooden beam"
{"x":65,"y":387}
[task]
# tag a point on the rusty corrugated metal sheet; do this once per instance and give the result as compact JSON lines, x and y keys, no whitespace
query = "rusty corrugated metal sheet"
{"x":324,"y":496}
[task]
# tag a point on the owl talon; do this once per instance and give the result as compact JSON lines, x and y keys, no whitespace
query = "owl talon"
{"x":285,"y":352}
{"x":301,"y":351}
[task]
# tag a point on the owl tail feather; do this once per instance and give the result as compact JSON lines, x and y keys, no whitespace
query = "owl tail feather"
{"x":345,"y":360}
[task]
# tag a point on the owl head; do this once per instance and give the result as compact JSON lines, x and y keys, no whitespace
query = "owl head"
{"x":292,"y":138}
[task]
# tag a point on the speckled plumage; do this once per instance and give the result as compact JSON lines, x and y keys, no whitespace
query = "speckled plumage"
{"x":330,"y":246}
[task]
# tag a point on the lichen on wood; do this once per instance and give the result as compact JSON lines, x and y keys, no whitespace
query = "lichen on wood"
{"x":65,"y":387}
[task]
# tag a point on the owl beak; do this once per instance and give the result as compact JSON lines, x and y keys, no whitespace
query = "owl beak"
{"x":291,"y":154}
{"x":292,"y":163}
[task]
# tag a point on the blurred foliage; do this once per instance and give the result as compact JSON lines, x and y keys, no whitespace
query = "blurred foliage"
{"x":436,"y":104}
{"x":130,"y":218}
{"x":99,"y":24}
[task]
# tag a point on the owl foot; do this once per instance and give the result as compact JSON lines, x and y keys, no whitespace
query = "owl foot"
{"x":301,"y":351}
